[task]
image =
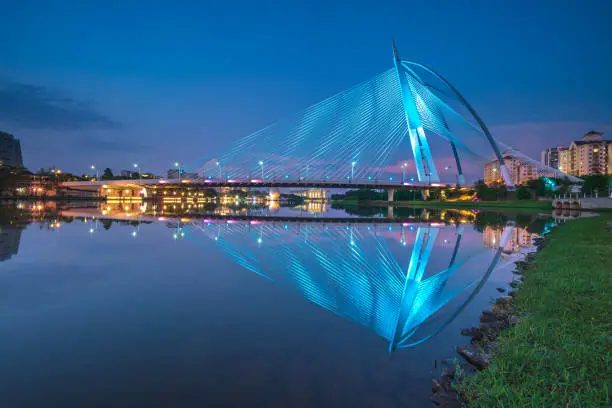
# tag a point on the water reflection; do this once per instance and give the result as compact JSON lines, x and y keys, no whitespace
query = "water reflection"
{"x":356,"y":271}
{"x":390,"y":278}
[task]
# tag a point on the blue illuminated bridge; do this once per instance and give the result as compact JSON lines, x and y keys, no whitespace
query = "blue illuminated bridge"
{"x":407,"y":127}
{"x":407,"y":124}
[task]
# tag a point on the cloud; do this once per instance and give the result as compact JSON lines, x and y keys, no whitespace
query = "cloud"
{"x":39,"y":107}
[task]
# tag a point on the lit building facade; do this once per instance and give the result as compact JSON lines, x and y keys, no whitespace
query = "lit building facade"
{"x":589,"y":155}
{"x":550,"y":157}
{"x":519,"y":171}
{"x":10,"y":151}
{"x":313,"y":194}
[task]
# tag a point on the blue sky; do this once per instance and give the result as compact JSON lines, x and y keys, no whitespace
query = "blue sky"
{"x":117,"y":82}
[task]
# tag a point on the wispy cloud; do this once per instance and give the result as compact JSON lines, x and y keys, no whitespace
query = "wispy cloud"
{"x":39,"y":107}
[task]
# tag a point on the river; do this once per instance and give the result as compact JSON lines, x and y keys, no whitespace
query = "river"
{"x":117,"y":306}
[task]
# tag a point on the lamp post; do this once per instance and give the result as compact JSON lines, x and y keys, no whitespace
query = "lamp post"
{"x":353,"y":169}
{"x":220,"y":170}
{"x":94,"y":168}
{"x":261,"y":163}
{"x":178,"y":166}
{"x":404,"y":172}
{"x":136,"y":166}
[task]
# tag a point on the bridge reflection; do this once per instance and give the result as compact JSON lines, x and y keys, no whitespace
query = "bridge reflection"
{"x":354,"y":271}
{"x":392,"y":278}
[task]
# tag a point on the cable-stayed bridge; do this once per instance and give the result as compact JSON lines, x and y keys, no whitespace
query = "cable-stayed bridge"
{"x":363,"y":134}
{"x":405,"y":128}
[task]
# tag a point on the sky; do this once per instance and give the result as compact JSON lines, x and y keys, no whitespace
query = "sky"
{"x":112,"y":83}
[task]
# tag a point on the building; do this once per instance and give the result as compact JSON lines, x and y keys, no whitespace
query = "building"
{"x":589,"y":155}
{"x":128,"y":174}
{"x":312,"y":194}
{"x":10,"y":151}
{"x":174,"y":174}
{"x":550,"y":157}
{"x":519,"y":171}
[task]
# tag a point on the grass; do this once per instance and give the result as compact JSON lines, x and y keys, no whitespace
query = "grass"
{"x":558,"y":355}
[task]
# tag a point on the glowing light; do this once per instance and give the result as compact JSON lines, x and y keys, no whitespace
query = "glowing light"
{"x":91,"y":230}
{"x":134,"y":233}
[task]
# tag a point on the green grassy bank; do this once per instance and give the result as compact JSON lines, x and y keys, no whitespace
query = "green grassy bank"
{"x":559,"y":355}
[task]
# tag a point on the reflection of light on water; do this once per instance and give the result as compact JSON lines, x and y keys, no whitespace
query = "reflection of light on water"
{"x":365,"y":283}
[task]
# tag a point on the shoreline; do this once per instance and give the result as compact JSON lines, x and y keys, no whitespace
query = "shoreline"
{"x":518,"y":205}
{"x":532,"y":345}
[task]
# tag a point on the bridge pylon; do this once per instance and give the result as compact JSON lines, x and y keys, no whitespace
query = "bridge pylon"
{"x":423,"y":159}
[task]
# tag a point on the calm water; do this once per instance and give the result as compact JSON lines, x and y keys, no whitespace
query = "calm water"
{"x":137,"y":309}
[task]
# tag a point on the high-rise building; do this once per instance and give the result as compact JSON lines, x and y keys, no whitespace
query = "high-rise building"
{"x":520,"y":172}
{"x":10,"y":151}
{"x":589,"y":155}
{"x":550,"y":157}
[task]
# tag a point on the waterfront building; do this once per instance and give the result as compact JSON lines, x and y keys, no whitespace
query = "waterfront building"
{"x":174,"y":174}
{"x":312,"y":194}
{"x":10,"y":151}
{"x":589,"y":155}
{"x":519,"y":171}
{"x":550,"y":157}
{"x":128,"y":174}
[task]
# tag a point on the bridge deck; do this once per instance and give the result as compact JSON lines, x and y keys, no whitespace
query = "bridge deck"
{"x":258,"y":183}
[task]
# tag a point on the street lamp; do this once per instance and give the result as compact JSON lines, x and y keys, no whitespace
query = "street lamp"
{"x":178,"y":165}
{"x":220,"y":170}
{"x":94,"y":168}
{"x":261,"y":163}
{"x":353,"y":169}
{"x":404,"y":165}
{"x":137,"y":167}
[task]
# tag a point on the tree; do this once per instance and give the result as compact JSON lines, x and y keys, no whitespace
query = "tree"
{"x":108,"y":174}
{"x":596,"y":183}
{"x":539,"y":186}
{"x":523,"y":193}
{"x":448,"y":191}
